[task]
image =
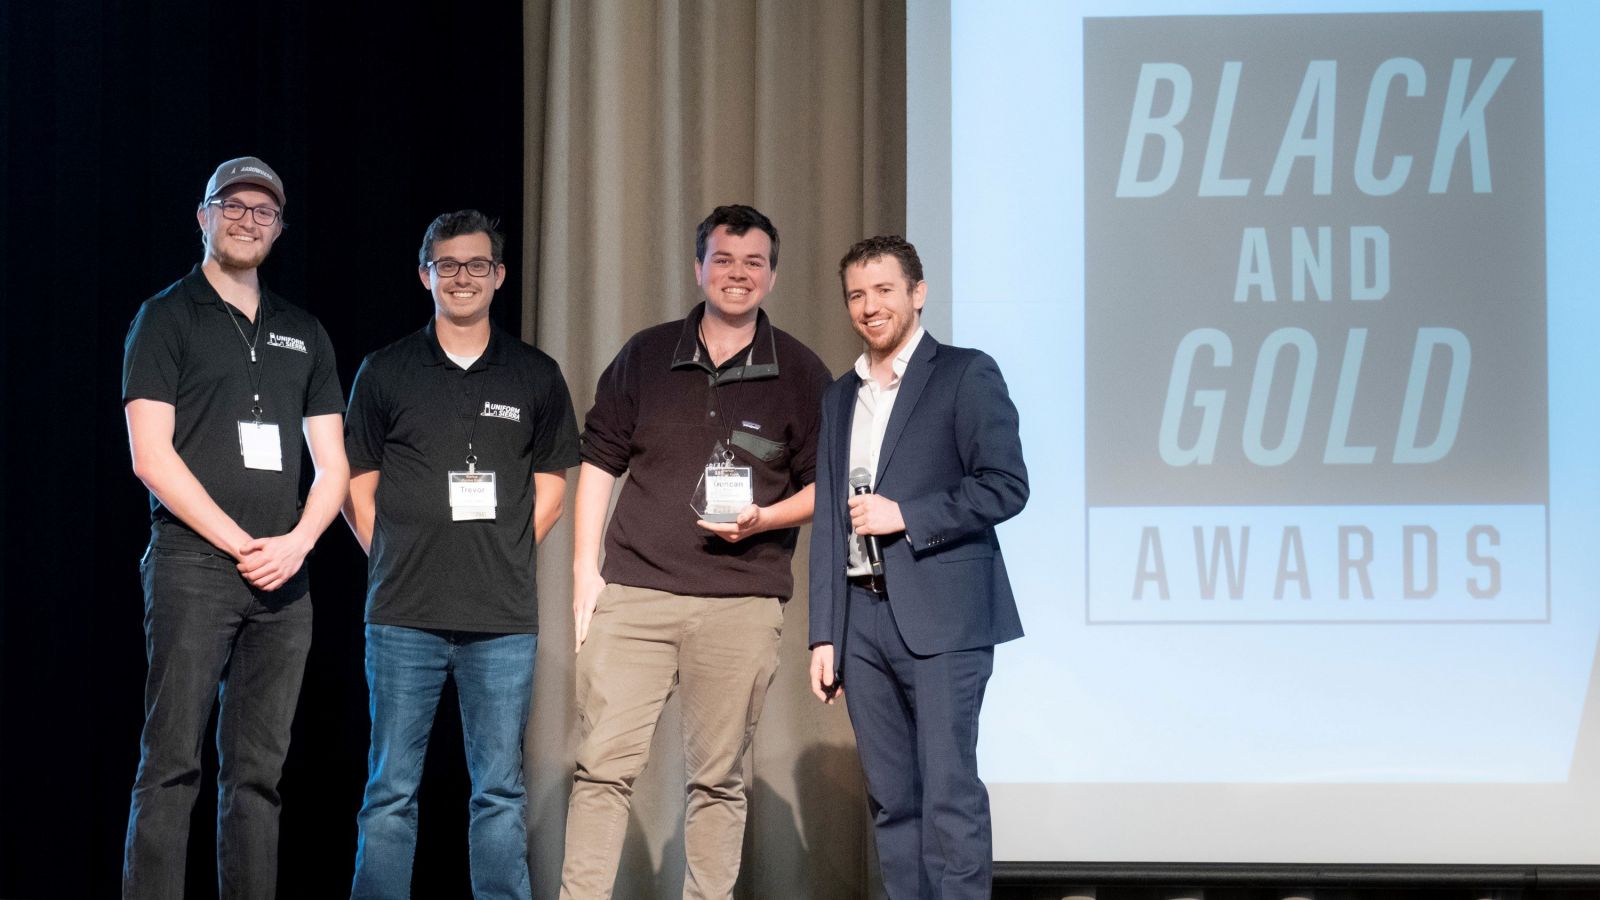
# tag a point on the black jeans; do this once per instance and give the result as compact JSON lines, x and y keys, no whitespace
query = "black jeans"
{"x":209,"y":634}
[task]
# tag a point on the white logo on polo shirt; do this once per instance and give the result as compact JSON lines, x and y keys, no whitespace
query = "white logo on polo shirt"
{"x":286,"y":342}
{"x":501,"y":411}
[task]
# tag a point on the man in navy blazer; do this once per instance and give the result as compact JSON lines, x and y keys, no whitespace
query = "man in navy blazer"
{"x":918,"y":454}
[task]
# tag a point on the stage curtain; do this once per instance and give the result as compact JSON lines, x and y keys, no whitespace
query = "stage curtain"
{"x":641,"y":117}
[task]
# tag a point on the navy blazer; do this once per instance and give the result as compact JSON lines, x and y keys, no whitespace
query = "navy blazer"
{"x":952,"y":459}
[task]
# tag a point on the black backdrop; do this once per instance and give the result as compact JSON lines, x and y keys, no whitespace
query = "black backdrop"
{"x":378,"y":117}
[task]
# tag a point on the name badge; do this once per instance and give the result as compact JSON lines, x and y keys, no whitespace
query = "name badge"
{"x":472,"y":496}
{"x":260,"y":446}
{"x":728,"y":490}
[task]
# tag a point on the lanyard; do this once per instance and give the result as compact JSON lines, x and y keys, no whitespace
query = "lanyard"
{"x":716,"y":386}
{"x":474,"y":414}
{"x":253,"y":365}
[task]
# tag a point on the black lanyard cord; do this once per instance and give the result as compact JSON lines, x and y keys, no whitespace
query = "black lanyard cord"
{"x":716,"y":382}
{"x":474,"y":413}
{"x":253,"y":365}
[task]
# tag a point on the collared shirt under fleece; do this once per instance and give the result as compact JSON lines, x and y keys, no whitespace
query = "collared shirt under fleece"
{"x":412,"y":414}
{"x":190,"y":348}
{"x":660,"y":407}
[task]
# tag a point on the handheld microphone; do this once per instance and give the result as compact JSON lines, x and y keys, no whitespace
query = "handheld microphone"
{"x":861,"y":483}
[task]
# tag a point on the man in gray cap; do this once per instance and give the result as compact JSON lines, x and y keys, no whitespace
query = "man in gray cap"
{"x":224,"y":385}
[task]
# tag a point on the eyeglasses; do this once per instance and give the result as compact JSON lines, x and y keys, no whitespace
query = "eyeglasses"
{"x":233,"y":209}
{"x":449,"y":268}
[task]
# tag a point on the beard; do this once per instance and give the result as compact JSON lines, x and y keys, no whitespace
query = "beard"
{"x":231,"y":255}
{"x":890,"y":339}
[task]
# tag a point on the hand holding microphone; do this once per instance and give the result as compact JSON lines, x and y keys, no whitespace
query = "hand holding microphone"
{"x":872,"y":515}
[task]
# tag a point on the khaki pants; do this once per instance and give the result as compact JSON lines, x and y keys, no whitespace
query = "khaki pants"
{"x":721,"y":653}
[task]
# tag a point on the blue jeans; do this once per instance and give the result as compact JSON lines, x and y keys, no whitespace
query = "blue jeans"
{"x":406,"y":669}
{"x":209,"y":636}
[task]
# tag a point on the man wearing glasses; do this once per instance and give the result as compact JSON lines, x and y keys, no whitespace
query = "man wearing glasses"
{"x":460,"y":436}
{"x":223,"y":384}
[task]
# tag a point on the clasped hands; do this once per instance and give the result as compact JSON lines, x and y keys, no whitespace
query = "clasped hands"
{"x":270,"y":561}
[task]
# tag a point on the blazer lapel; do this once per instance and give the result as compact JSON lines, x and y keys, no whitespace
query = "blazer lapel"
{"x":838,"y":443}
{"x":918,"y":371}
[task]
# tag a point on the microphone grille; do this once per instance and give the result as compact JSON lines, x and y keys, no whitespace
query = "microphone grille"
{"x":860,"y":477}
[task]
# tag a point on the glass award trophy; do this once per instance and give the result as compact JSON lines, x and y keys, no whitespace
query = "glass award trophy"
{"x":723,"y":489}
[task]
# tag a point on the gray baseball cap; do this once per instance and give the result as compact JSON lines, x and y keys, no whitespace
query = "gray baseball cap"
{"x":245,"y":170}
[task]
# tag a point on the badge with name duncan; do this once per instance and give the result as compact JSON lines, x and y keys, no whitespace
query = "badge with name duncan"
{"x":260,"y":446}
{"x":724,"y":489}
{"x":471,"y":496}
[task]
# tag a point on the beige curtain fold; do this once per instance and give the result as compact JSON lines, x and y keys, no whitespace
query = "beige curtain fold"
{"x":642,"y":116}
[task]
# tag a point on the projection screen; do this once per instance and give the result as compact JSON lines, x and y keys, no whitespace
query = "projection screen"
{"x":1293,"y":300}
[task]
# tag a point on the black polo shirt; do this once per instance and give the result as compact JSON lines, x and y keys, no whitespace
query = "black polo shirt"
{"x":185,"y":348}
{"x":658,"y":410}
{"x":411,"y":413}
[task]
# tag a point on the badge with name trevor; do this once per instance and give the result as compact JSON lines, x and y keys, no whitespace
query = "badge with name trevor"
{"x":472,"y":496}
{"x":724,"y":489}
{"x":260,"y":446}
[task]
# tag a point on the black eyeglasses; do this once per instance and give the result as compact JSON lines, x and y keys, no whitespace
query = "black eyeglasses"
{"x":449,"y":268}
{"x":233,"y":209}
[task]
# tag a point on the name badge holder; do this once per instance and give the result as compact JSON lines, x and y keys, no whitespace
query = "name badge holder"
{"x":724,"y":488}
{"x":259,"y":442}
{"x":472,"y":493}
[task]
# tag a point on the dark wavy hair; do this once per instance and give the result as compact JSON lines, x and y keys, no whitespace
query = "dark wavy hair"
{"x":458,"y":223}
{"x":739,"y":219}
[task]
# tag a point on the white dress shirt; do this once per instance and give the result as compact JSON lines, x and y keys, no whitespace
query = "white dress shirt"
{"x":874,"y":404}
